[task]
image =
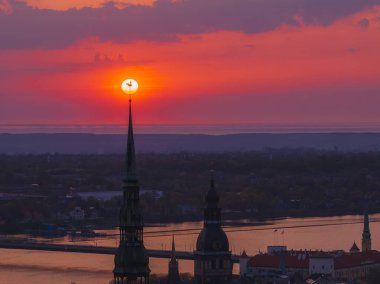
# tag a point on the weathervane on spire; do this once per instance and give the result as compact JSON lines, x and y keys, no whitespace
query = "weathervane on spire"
{"x":129,"y":87}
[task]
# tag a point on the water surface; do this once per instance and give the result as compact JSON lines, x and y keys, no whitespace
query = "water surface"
{"x":39,"y":267}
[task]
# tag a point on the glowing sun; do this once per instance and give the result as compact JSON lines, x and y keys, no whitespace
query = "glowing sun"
{"x":129,"y":86}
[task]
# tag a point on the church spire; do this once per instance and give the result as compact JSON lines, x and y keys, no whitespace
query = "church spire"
{"x":212,"y":180}
{"x":366,"y":236}
{"x":131,"y":155}
{"x":366,"y":232}
{"x":212,"y":197}
{"x":131,"y":257}
{"x":173,"y":257}
{"x":173,"y":274}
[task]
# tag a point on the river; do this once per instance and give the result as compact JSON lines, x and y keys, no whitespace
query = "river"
{"x":327,"y":233}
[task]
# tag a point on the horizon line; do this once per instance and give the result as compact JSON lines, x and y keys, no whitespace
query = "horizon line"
{"x":190,"y":128}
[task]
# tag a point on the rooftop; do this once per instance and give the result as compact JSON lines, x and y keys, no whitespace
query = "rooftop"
{"x":300,"y":259}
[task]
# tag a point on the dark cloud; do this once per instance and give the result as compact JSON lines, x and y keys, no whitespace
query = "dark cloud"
{"x":26,"y":27}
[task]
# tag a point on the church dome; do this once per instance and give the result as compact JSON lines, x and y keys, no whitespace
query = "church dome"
{"x":212,"y":239}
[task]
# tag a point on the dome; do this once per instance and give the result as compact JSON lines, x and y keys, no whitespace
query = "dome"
{"x":131,"y":260}
{"x":212,"y":239}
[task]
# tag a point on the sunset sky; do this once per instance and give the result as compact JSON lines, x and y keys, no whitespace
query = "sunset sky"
{"x":196,"y":61}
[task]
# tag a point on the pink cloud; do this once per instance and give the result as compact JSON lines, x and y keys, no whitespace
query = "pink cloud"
{"x":165,"y":20}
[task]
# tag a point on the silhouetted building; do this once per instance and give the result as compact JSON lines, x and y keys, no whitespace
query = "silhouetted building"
{"x":213,"y":263}
{"x":243,"y":261}
{"x":354,"y":248}
{"x":366,"y":236}
{"x":131,"y":258}
{"x":173,"y":274}
{"x":338,"y":265}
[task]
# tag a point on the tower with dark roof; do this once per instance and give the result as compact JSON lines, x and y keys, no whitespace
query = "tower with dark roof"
{"x":213,"y":264}
{"x":366,"y":236}
{"x":243,"y":264}
{"x":354,"y":248}
{"x":173,"y":274}
{"x":131,"y":258}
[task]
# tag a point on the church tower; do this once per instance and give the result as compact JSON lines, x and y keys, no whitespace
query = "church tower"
{"x":173,"y":274}
{"x":131,"y":258}
{"x":366,"y":236}
{"x":213,"y":264}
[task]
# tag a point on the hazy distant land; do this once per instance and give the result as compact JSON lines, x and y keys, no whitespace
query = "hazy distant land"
{"x":66,"y":143}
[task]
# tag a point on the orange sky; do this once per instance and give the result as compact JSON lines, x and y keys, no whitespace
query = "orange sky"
{"x":307,"y":73}
{"x":77,"y":4}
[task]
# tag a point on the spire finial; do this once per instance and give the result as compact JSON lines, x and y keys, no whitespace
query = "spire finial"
{"x":131,"y":155}
{"x":212,"y":180}
{"x":366,"y":231}
{"x":212,"y":197}
{"x":366,"y":236}
{"x":173,"y":257}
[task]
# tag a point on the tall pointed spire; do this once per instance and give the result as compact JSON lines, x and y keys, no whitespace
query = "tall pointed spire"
{"x":173,"y":273}
{"x":173,"y":256}
{"x":131,"y":155}
{"x":131,"y":257}
{"x":212,"y":197}
{"x":366,"y":232}
{"x":366,"y":236}
{"x":212,"y":180}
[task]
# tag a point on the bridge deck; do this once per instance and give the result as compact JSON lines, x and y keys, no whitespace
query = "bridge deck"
{"x":93,"y":249}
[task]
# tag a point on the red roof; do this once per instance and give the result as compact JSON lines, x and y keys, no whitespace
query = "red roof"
{"x":300,"y":260}
{"x":357,"y":259}
{"x":273,"y":261}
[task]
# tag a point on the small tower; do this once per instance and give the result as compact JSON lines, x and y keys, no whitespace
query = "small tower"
{"x":131,"y":258}
{"x":173,"y":274}
{"x":366,"y":236}
{"x":212,"y":258}
{"x":243,"y":264}
{"x":354,"y":248}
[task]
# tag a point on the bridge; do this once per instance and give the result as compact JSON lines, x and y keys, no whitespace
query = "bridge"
{"x":26,"y":245}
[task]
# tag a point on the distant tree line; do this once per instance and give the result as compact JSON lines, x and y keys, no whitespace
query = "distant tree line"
{"x":262,"y":184}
